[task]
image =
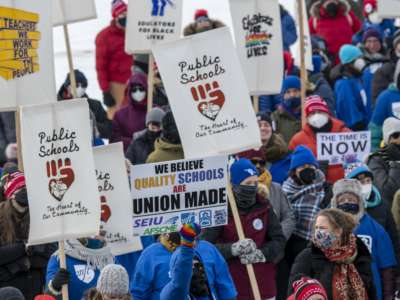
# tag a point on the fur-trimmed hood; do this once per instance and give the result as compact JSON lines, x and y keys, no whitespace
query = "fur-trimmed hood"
{"x":191,"y":28}
{"x":315,"y":9}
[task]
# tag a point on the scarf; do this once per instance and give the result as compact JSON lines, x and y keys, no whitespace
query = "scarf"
{"x":276,"y":148}
{"x":346,"y":282}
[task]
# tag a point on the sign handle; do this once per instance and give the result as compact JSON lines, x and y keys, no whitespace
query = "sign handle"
{"x":19,"y":140}
{"x":256,"y":104}
{"x":239,"y":229}
{"x":70,"y":61}
{"x":63,"y":264}
{"x":150,"y":83}
{"x":303,"y":71}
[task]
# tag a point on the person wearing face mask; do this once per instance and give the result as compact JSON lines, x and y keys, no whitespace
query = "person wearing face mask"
{"x":335,"y":22}
{"x":201,"y":23}
{"x":131,"y":118}
{"x":113,"y":64}
{"x":103,"y":124}
{"x":337,"y":258}
{"x":319,"y":120}
{"x":264,"y":243}
{"x":347,"y":196}
{"x":385,"y":163}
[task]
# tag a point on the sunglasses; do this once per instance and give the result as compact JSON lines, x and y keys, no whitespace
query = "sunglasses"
{"x":138,"y":89}
{"x":395,"y":135}
{"x":258,"y":161}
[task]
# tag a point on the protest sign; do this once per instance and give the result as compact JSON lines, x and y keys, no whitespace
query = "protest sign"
{"x":71,"y":11}
{"x":339,"y":148}
{"x":115,"y":199}
{"x":59,"y":170}
{"x":151,"y":22}
{"x":205,"y":84}
{"x":258,"y":35}
{"x":306,"y":37}
{"x":26,"y":53}
{"x":388,"y":8}
{"x":169,"y":194}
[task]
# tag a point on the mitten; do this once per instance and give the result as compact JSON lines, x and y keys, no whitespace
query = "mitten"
{"x":241,"y":247}
{"x":253,"y":258}
{"x":61,"y":278}
{"x":188,"y":234}
{"x":108,"y":99}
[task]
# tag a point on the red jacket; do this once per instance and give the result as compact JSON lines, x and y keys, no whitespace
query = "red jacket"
{"x":335,"y":31}
{"x":307,"y":137}
{"x":112,"y":63}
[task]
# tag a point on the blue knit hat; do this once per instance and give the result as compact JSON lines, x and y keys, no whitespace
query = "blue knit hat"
{"x":349,"y":53}
{"x":317,"y":63}
{"x":362,"y":169}
{"x":79,"y":77}
{"x":301,"y":156}
{"x":242,"y":169}
{"x":291,"y":82}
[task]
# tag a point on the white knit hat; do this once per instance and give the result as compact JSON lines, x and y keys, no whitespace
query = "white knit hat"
{"x":390,"y":126}
{"x":113,"y":281}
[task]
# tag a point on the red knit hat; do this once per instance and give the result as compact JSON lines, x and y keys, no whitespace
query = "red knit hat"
{"x":369,"y":7}
{"x":14,"y":183}
{"x":315,"y":103}
{"x":307,"y":287}
{"x":44,"y":297}
{"x":200,"y":13}
{"x":118,"y":7}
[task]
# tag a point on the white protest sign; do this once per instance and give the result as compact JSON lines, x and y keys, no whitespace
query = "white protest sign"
{"x":388,"y":8}
{"x":152,"y":22}
{"x":307,"y":39}
{"x":71,"y":11}
{"x":169,"y":194}
{"x":115,"y":198}
{"x":208,"y":94}
{"x":59,"y":170}
{"x":258,"y":35}
{"x":338,"y":148}
{"x":26,"y":53}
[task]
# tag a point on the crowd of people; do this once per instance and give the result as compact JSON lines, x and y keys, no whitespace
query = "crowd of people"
{"x":313,"y":230}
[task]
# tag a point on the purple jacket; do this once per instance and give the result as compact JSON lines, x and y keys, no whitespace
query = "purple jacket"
{"x":131,"y":118}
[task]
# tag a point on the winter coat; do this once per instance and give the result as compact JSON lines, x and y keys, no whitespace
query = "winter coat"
{"x":285,"y":123}
{"x":113,"y":64}
{"x":7,"y":133}
{"x":335,"y":31}
{"x":307,"y":137}
{"x":262,"y":226}
{"x":289,"y":31}
{"x":164,"y":151}
{"x":312,"y":262}
{"x":140,"y":147}
{"x":152,"y":272}
{"x":387,"y":105}
{"x":383,"y":77}
{"x":321,"y":87}
{"x":269,"y":103}
{"x":396,"y":210}
{"x":132,"y":117}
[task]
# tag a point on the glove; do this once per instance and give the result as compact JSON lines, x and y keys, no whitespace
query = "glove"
{"x":253,"y":258}
{"x":188,"y":233}
{"x":108,"y":99}
{"x":61,"y":278}
{"x":242,"y":247}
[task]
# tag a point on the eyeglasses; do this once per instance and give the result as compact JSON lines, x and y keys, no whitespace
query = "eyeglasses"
{"x":395,"y":135}
{"x":258,"y":161}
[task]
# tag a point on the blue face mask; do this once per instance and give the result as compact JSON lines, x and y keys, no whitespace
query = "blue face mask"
{"x":122,"y":21}
{"x":293,"y":102}
{"x":324,"y":238}
{"x":351,"y":208}
{"x":94,"y":243}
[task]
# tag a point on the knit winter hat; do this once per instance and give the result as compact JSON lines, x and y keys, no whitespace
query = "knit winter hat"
{"x":301,"y":156}
{"x":242,"y":169}
{"x":342,"y":186}
{"x":371,"y":32}
{"x":315,"y":103}
{"x":369,"y":7}
{"x":307,"y":287}
{"x":362,"y":169}
{"x":201,"y":14}
{"x":390,"y":126}
{"x":11,"y":293}
{"x":15,"y":182}
{"x":291,"y":82}
{"x":44,"y":297}
{"x":349,"y":53}
{"x":113,"y":281}
{"x":188,"y":234}
{"x":79,"y":77}
{"x":155,"y":115}
{"x":264,"y":116}
{"x":118,"y":7}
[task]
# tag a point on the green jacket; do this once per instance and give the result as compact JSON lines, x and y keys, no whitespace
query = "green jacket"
{"x":164,"y":151}
{"x":285,"y":124}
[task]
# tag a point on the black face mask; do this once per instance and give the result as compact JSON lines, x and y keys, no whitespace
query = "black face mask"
{"x":174,"y":238}
{"x":122,"y":22}
{"x":351,"y":208}
{"x":307,"y":175}
{"x":171,"y":135}
{"x":245,"y":195}
{"x":393,"y":152}
{"x":152,"y":135}
{"x":293,"y":102}
{"x":198,"y":284}
{"x":332,"y":9}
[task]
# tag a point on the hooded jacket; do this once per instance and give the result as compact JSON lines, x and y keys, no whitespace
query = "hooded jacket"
{"x":165,"y":151}
{"x":278,"y":157}
{"x":289,"y":31}
{"x":141,"y":146}
{"x":131,"y":118}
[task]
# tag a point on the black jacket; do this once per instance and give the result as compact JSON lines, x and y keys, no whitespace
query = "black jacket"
{"x":382,"y":78}
{"x":312,"y":262}
{"x":7,"y":133}
{"x":141,"y":146}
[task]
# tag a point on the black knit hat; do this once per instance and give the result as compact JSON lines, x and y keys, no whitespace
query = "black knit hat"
{"x":169,"y":129}
{"x":264,"y":116}
{"x":79,"y":77}
{"x":11,"y":293}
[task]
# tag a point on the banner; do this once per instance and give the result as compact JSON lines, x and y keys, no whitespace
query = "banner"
{"x":339,"y":148}
{"x":115,"y":199}
{"x":169,"y":194}
{"x":388,"y":8}
{"x":71,"y":11}
{"x":307,"y":39}
{"x":26,"y":53}
{"x":205,"y":84}
{"x":258,"y":35}
{"x":59,"y":170}
{"x":152,"y":22}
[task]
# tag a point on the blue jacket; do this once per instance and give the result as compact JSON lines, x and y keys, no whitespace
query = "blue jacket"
{"x":367,"y":77}
{"x":181,"y":273}
{"x":387,"y":105}
{"x":386,"y":28}
{"x":379,"y":245}
{"x":153,"y":267}
{"x":289,"y":32}
{"x":280,"y":169}
{"x":269,"y":103}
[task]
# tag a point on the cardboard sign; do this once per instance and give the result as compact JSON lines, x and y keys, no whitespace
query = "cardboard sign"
{"x":307,"y":39}
{"x":339,"y":148}
{"x":71,"y":11}
{"x":26,"y":53}
{"x":152,"y":22}
{"x":258,"y":36}
{"x":59,"y":170}
{"x":208,"y":94}
{"x":388,"y":8}
{"x":115,"y":199}
{"x":169,"y":194}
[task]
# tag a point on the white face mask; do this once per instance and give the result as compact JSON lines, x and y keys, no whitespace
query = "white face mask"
{"x":359,"y":64}
{"x":138,"y":96}
{"x":374,"y":18}
{"x":80,"y":91}
{"x":318,"y":120}
{"x":366,"y":190}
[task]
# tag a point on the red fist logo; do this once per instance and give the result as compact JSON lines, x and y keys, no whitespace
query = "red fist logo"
{"x":61,"y":177}
{"x":211,"y":99}
{"x":105,"y":210}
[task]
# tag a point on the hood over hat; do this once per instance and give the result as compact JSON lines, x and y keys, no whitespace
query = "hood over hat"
{"x":352,"y":186}
{"x":390,"y":126}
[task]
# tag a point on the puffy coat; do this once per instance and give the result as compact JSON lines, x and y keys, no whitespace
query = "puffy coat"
{"x":335,"y":31}
{"x":289,"y":31}
{"x":313,"y":263}
{"x":307,"y":137}
{"x":7,"y":133}
{"x":141,"y":146}
{"x":164,"y":151}
{"x":112,"y":63}
{"x":285,"y":123}
{"x":396,"y":209}
{"x":383,"y":77}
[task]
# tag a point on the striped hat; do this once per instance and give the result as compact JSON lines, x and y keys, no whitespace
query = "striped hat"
{"x":315,"y":103}
{"x":14,"y":183}
{"x":118,"y":7}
